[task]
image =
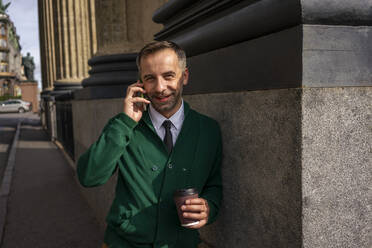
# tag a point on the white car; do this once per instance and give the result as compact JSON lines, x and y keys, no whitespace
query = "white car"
{"x":15,"y":105}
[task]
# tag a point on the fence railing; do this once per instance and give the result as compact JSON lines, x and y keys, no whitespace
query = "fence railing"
{"x":65,"y":134}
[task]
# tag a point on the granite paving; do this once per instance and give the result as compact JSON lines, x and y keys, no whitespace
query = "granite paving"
{"x":45,"y":208}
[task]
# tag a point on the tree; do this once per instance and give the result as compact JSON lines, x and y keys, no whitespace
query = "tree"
{"x":3,"y":7}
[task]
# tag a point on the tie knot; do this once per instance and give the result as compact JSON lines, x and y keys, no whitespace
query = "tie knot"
{"x":167,"y":124}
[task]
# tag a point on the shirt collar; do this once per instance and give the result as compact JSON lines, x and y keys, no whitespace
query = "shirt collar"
{"x":157,"y":119}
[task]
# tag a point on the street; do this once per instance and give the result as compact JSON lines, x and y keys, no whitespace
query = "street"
{"x":11,"y":119}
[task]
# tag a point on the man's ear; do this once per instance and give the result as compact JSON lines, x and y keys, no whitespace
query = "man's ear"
{"x":186,"y":76}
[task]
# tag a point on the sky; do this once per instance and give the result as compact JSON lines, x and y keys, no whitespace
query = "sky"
{"x":24,"y":14}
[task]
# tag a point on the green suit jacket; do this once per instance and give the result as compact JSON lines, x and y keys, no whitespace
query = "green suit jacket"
{"x":143,"y":213}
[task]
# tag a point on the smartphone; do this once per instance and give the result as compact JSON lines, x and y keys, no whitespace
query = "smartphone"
{"x":140,"y":94}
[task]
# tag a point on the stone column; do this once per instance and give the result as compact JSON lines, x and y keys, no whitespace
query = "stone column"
{"x":47,"y":52}
{"x":45,"y":45}
{"x":293,"y":85}
{"x":76,"y":41}
{"x":127,"y":26}
{"x":123,"y":27}
{"x":67,"y":41}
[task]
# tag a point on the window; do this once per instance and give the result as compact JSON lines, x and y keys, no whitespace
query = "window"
{"x":3,"y":67}
{"x":3,"y":56}
{"x":2,"y":30}
{"x":3,"y":43}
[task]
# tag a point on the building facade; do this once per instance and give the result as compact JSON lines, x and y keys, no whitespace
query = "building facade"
{"x":10,"y":58}
{"x":13,"y":82}
{"x":289,"y":83}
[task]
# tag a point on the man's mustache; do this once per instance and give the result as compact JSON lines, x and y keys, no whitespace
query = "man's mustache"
{"x":162,"y":94}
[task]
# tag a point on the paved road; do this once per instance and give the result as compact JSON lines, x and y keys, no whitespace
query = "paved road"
{"x":11,"y":119}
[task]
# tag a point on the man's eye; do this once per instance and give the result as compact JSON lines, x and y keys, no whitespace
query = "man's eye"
{"x":149,"y":79}
{"x":169,"y":77}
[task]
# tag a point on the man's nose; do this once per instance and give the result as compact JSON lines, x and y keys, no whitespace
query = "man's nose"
{"x":160,"y":85}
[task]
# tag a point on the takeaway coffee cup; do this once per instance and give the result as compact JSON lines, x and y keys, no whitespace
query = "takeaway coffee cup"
{"x":180,"y":197}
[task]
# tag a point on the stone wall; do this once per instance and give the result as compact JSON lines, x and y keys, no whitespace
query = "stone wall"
{"x":290,"y":85}
{"x":89,"y":118}
{"x":262,"y":182}
{"x":261,"y":167}
{"x":283,"y":150}
{"x":30,"y":93}
{"x":336,"y":167}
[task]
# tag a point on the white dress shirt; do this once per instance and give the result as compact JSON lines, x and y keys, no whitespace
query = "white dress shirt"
{"x":176,"y":119}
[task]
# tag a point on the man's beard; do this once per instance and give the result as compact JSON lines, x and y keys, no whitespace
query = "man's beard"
{"x":174,"y":98}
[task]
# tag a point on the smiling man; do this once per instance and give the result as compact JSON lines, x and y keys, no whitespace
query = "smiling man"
{"x":156,"y":152}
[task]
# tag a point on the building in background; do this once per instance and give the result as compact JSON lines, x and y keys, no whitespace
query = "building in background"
{"x":14,"y":83}
{"x":10,"y":58}
{"x":289,"y":82}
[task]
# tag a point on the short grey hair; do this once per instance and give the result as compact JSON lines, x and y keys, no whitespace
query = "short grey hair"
{"x":156,"y":46}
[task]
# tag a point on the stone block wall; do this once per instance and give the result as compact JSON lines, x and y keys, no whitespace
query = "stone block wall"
{"x":89,"y":118}
{"x":295,"y":161}
{"x":30,"y":94}
{"x":261,"y":167}
{"x":336,"y":166}
{"x":262,"y":177}
{"x":290,"y":84}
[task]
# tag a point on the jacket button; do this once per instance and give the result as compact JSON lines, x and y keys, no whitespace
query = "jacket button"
{"x":154,"y":168}
{"x":170,"y":165}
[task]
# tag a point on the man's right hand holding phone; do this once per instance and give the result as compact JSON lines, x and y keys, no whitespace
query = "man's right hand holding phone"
{"x":132,"y":108}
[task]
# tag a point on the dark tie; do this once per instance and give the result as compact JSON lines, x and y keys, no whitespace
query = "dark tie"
{"x":168,"y":141}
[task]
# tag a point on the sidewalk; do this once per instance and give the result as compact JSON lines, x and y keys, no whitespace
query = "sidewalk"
{"x":6,"y":137}
{"x":45,"y":208}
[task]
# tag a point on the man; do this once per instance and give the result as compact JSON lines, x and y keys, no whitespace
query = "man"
{"x":158,"y":151}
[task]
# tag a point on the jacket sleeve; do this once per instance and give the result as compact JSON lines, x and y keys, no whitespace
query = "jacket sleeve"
{"x":212,"y":191}
{"x":99,"y":162}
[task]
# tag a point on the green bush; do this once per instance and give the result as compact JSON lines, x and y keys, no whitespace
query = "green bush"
{"x":7,"y":96}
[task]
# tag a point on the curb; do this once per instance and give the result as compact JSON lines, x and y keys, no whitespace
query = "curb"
{"x":64,"y":153}
{"x":7,"y":180}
